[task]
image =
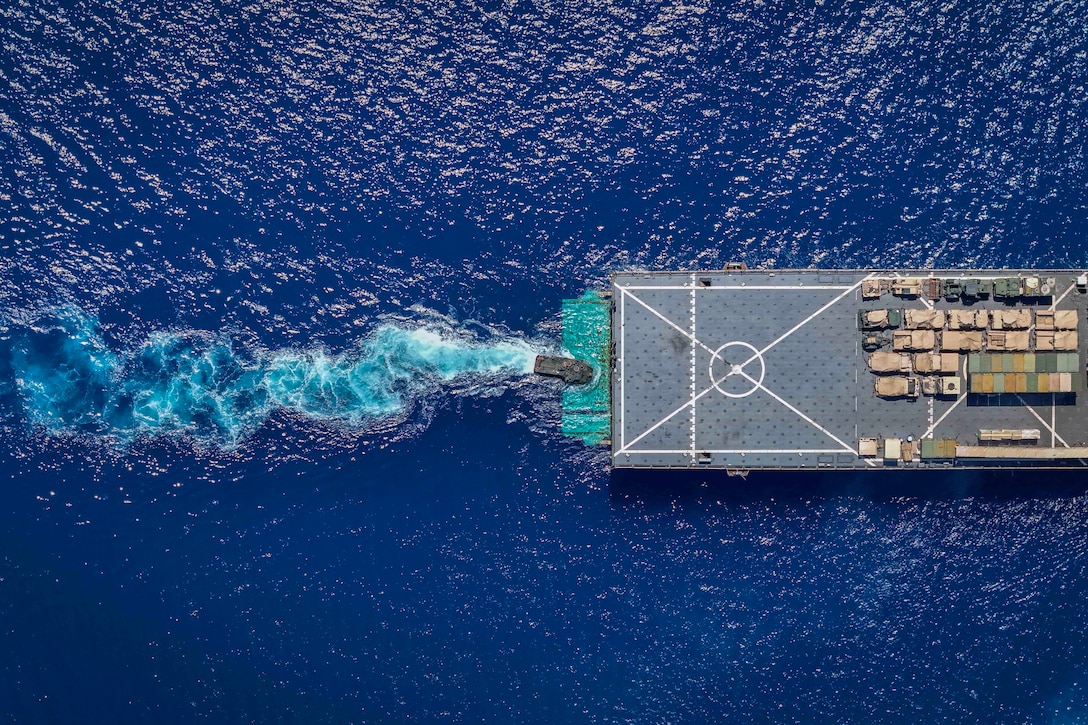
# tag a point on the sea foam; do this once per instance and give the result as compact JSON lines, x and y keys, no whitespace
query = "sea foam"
{"x":211,"y":386}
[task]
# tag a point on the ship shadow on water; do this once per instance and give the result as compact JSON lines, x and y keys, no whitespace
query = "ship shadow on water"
{"x":629,"y":486}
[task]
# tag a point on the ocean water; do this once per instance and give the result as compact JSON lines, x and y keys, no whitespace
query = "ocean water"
{"x":271,"y":278}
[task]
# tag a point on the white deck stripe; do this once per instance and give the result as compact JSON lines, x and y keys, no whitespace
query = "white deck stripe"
{"x":624,"y":291}
{"x":765,"y":451}
{"x":692,"y":392}
{"x":623,"y":370}
{"x":942,"y":277}
{"x":740,"y":287}
{"x":804,"y":322}
{"x":1069,"y":289}
{"x":1041,"y":421}
{"x":667,"y":321}
{"x":663,"y":421}
{"x":929,"y":431}
{"x":799,"y":414}
{"x":625,"y":447}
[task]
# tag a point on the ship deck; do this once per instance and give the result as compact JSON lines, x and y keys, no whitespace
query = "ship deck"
{"x":765,"y":369}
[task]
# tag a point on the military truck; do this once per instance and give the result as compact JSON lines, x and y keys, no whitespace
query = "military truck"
{"x":898,"y":386}
{"x":1007,"y":288}
{"x":953,"y":289}
{"x":941,"y":363}
{"x":890,"y":362}
{"x":875,"y":341}
{"x":879,"y":319}
{"x":569,"y":370}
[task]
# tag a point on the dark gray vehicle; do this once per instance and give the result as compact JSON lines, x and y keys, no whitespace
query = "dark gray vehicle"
{"x":569,"y":370}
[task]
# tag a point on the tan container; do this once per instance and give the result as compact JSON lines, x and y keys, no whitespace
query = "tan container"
{"x":1066,"y":319}
{"x":1011,"y":319}
{"x":957,"y":341}
{"x":1044,"y":320}
{"x":1065,"y":382}
{"x":922,"y":339}
{"x":1044,"y":382}
{"x":889,"y":362}
{"x":925,"y":362}
{"x":1017,"y":341}
{"x":924,"y":319}
{"x":967,"y":319}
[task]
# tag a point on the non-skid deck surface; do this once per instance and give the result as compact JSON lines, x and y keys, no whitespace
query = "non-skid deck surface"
{"x":765,"y":369}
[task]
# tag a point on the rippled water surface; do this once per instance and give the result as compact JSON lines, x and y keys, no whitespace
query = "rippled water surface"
{"x":271,"y":279}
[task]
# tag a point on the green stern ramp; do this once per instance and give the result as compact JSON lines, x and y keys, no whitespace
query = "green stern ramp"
{"x":587,"y":335}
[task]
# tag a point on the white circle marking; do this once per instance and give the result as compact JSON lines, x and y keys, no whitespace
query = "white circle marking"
{"x":735,"y":369}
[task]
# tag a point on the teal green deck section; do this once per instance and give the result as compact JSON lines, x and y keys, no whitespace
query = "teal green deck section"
{"x":587,"y":335}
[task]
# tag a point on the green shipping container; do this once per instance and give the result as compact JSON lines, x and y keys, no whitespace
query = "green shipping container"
{"x":939,"y":448}
{"x":974,"y":363}
{"x":999,"y":382}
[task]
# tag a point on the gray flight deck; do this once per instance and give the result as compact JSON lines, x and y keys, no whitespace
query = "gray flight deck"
{"x":764,"y":369}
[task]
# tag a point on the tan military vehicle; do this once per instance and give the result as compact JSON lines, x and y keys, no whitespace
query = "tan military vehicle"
{"x":962,"y":341}
{"x":925,"y":319}
{"x":879,"y":319}
{"x":905,"y":340}
{"x":889,"y":362}
{"x":941,"y":363}
{"x":897,"y":386}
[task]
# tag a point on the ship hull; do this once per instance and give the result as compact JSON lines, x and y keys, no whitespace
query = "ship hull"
{"x":771,"y":369}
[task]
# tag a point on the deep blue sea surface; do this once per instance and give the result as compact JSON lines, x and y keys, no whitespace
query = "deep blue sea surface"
{"x":271,"y":277}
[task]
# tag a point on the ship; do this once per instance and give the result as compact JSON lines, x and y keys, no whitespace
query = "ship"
{"x":745,"y":370}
